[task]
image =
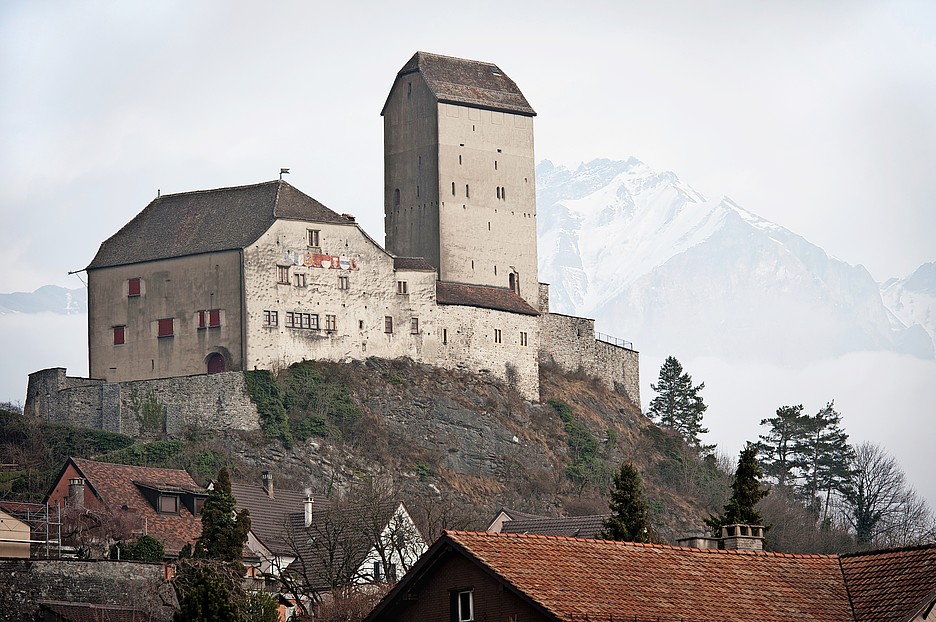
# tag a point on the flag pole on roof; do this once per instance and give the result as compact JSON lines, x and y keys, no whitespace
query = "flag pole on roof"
{"x":283,"y":171}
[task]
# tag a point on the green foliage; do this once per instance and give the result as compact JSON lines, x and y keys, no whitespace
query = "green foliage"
{"x":628,"y":520}
{"x":424,"y":470}
{"x":261,"y":607}
{"x":267,"y":396}
{"x":224,"y":531}
{"x":145,"y":549}
{"x":746,"y":493}
{"x":586,"y":466}
{"x":302,"y":403}
{"x":155,"y":453}
{"x":679,"y":405}
{"x":209,"y":597}
{"x":151,"y":414}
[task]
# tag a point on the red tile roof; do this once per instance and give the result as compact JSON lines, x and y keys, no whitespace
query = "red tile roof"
{"x":573,"y":578}
{"x":890,"y":585}
{"x":483,"y":296}
{"x":114,"y":485}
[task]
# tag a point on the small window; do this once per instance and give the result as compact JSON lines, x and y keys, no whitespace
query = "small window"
{"x":313,"y":321}
{"x":344,"y":282}
{"x":300,"y":279}
{"x":396,"y":197}
{"x":164,"y":327}
{"x":377,"y":572}
{"x":465,"y":607}
{"x":214,"y":318}
{"x":270,"y":318}
{"x":444,"y":336}
{"x":402,"y":287}
{"x":119,"y":335}
{"x":133,"y":287}
{"x":199,"y":505}
{"x":168,"y":504}
{"x":503,"y":193}
{"x":392,"y":573}
{"x":497,"y":335}
{"x":290,"y":320}
{"x":453,"y":188}
{"x":313,"y":235}
{"x":495,"y":165}
{"x":331,"y":323}
{"x":200,"y":319}
{"x":498,"y":192}
{"x":523,"y":338}
{"x":414,"y":326}
{"x":467,"y":193}
{"x":282,"y":274}
{"x":388,"y":324}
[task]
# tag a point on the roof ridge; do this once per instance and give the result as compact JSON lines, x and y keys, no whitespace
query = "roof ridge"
{"x":226,"y":188}
{"x":899,"y":549}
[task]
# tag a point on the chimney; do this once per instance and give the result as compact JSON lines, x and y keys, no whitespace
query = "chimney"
{"x":268,"y":483}
{"x":308,"y":503}
{"x":742,"y":537}
{"x":76,"y":487}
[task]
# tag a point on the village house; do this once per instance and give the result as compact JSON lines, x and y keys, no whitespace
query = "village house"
{"x":261,"y":276}
{"x":468,"y":576}
{"x":130,"y":501}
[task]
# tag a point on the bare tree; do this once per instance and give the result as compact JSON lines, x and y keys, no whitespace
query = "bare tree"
{"x":881,"y":508}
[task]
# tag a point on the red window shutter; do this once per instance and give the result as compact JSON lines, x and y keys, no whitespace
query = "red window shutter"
{"x":214,"y":317}
{"x":201,"y":319}
{"x":119,"y":335}
{"x":165,"y":327}
{"x":133,"y":287}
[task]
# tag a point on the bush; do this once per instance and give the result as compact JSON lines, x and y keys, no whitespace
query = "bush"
{"x":145,"y":549}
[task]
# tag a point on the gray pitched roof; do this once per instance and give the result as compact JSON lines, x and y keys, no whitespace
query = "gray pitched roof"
{"x":412,"y":263}
{"x":269,"y":515}
{"x":205,"y":221}
{"x":467,"y":82}
{"x":568,"y":526}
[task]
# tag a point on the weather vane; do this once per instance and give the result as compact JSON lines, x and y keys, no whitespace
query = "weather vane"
{"x":282,"y":171}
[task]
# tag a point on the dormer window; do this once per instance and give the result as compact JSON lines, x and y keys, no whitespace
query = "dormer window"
{"x":168,"y":504}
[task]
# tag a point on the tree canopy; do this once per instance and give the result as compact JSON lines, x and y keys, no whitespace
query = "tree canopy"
{"x":746,"y":492}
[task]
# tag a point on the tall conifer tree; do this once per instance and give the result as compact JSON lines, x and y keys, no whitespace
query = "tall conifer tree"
{"x":679,"y":405}
{"x":628,"y":520}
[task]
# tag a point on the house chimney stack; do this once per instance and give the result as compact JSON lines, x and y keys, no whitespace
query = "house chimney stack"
{"x":308,"y":508}
{"x":742,"y":537}
{"x":268,"y":483}
{"x":76,"y":492}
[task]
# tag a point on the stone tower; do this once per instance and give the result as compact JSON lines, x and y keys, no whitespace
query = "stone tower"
{"x":459,"y":186}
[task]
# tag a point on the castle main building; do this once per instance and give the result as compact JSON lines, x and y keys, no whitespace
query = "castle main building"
{"x":261,"y":276}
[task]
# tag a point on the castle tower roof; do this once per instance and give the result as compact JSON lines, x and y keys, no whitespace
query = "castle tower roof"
{"x":467,"y":82}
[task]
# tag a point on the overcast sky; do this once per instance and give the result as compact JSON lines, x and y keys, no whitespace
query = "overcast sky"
{"x":817,"y":116}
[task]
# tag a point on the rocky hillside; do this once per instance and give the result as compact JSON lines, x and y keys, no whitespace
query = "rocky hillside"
{"x":456,"y":446}
{"x":462,"y":446}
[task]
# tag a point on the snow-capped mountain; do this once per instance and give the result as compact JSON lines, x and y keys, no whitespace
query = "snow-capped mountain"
{"x":912,"y":300}
{"x":658,"y":264}
{"x":46,"y":299}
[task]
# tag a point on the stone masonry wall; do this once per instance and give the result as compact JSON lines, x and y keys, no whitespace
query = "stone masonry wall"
{"x":569,"y":342}
{"x":130,"y":584}
{"x":216,"y":401}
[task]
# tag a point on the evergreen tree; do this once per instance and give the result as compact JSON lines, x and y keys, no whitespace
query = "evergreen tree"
{"x":679,"y":405}
{"x":628,"y":520}
{"x":778,"y":447}
{"x":746,"y":492}
{"x":209,"y":598}
{"x":224,"y":531}
{"x":823,"y":457}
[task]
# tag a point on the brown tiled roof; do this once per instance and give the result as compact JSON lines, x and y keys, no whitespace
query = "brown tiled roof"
{"x":468,"y":82}
{"x":569,"y":526}
{"x":573,"y":578}
{"x":114,"y":485}
{"x":483,"y":296}
{"x":412,"y":263}
{"x":269,"y":515}
{"x":89,"y":612}
{"x":890,"y":585}
{"x":190,"y":223}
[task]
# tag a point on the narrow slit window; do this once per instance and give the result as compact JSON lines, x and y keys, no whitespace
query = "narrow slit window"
{"x":467,"y":193}
{"x":388,"y":324}
{"x":414,"y":326}
{"x":396,"y":197}
{"x":453,"y":188}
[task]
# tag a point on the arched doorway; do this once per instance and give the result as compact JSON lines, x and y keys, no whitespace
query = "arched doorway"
{"x":216,"y":364}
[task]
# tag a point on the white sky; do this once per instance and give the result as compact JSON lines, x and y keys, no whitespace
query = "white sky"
{"x":818,"y":116}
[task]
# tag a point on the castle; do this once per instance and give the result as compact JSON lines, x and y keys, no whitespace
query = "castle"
{"x":261,"y":276}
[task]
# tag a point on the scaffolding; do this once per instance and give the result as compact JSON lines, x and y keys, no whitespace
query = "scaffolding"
{"x":45,"y":527}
